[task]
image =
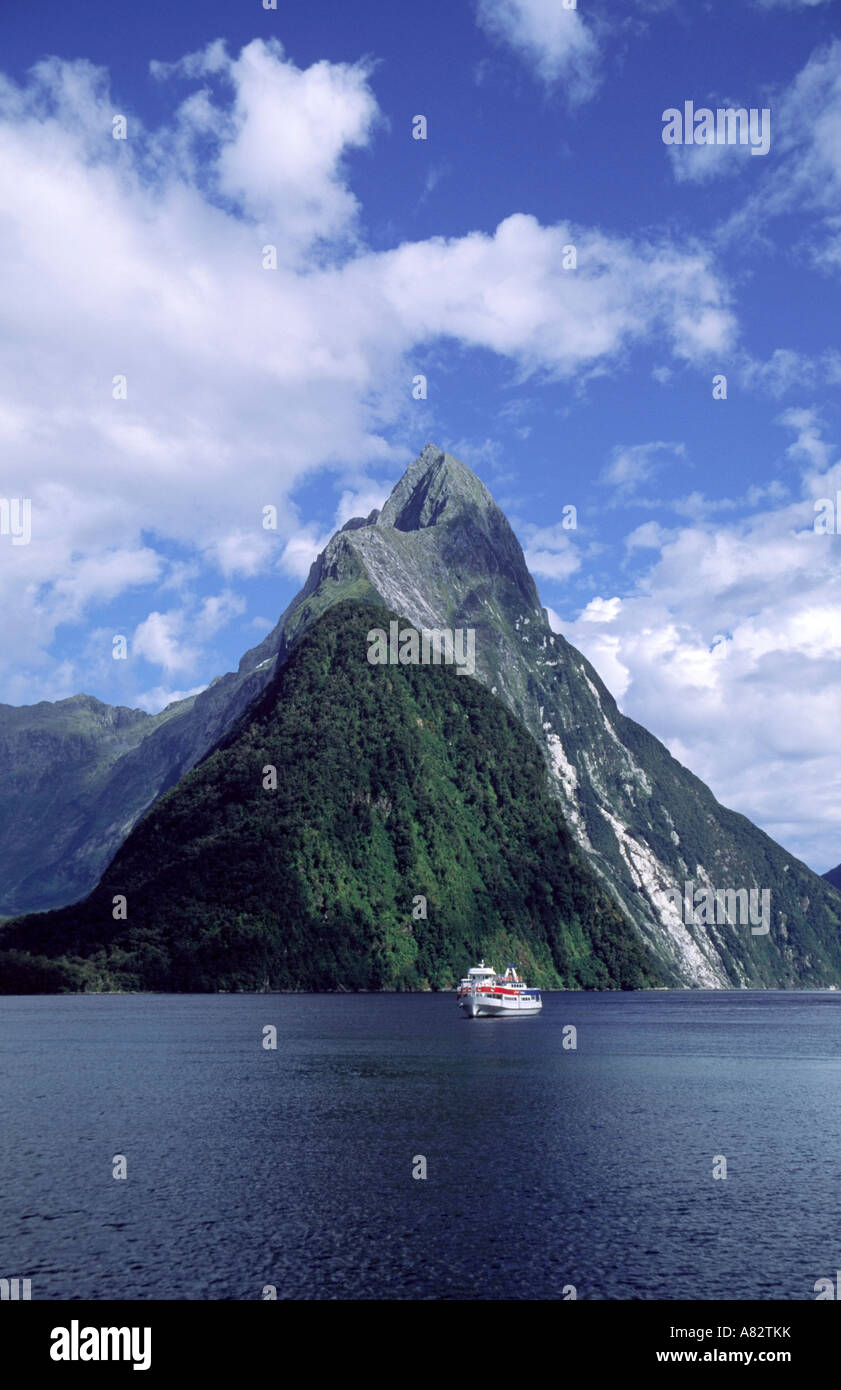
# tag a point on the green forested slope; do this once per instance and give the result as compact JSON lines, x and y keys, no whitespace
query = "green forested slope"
{"x":393,"y":782}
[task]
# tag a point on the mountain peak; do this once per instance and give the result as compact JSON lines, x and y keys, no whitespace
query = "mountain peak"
{"x":436,"y":486}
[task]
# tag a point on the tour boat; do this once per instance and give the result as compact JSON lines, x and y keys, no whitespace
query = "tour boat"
{"x":484,"y":994}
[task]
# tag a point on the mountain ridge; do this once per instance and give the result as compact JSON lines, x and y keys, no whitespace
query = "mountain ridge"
{"x":441,"y":554}
{"x":833,"y":876}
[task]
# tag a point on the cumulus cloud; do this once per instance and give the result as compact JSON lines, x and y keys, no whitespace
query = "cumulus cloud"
{"x":650,"y":535}
{"x":158,"y":640}
{"x":553,"y":564}
{"x":173,"y":640}
{"x":729,"y":649}
{"x":143,"y":259}
{"x":282,"y":140}
{"x":602,"y":610}
{"x":553,"y":40}
{"x":552,"y":552}
{"x":510,"y":292}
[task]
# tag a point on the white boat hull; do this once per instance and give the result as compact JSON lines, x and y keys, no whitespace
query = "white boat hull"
{"x":481,"y":1006}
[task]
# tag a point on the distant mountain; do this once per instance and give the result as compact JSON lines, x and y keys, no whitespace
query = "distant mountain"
{"x":412,"y":830}
{"x":57,"y":761}
{"x":80,"y":773}
{"x":441,"y":554}
{"x":833,"y":876}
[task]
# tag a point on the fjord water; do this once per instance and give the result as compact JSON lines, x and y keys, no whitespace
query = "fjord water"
{"x":547,"y":1167}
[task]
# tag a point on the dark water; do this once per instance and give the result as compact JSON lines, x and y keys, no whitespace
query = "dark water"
{"x":546,"y":1167}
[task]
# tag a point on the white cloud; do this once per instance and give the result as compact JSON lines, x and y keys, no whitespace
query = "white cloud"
{"x":242,"y":551}
{"x":650,"y":535}
{"x":633,"y":464}
{"x":158,"y":639}
{"x":281,"y":141}
{"x":702,"y":163}
{"x":789,"y":4}
{"x":809,"y":445}
{"x":301,"y":550}
{"x":511,"y":293}
{"x":782,"y":370}
{"x":602,"y":649}
{"x":100,"y":578}
{"x":216,"y":611}
{"x":729,"y":649}
{"x":143,"y":258}
{"x":803,"y":171}
{"x":157,"y":699}
{"x":602,"y":610}
{"x":554,"y":40}
{"x":174,"y":640}
{"x":356,"y":502}
{"x":550,"y":551}
{"x":553,"y":564}
{"x":812,"y":120}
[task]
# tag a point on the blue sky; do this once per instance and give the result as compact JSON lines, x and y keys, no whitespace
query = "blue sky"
{"x":694,"y":581}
